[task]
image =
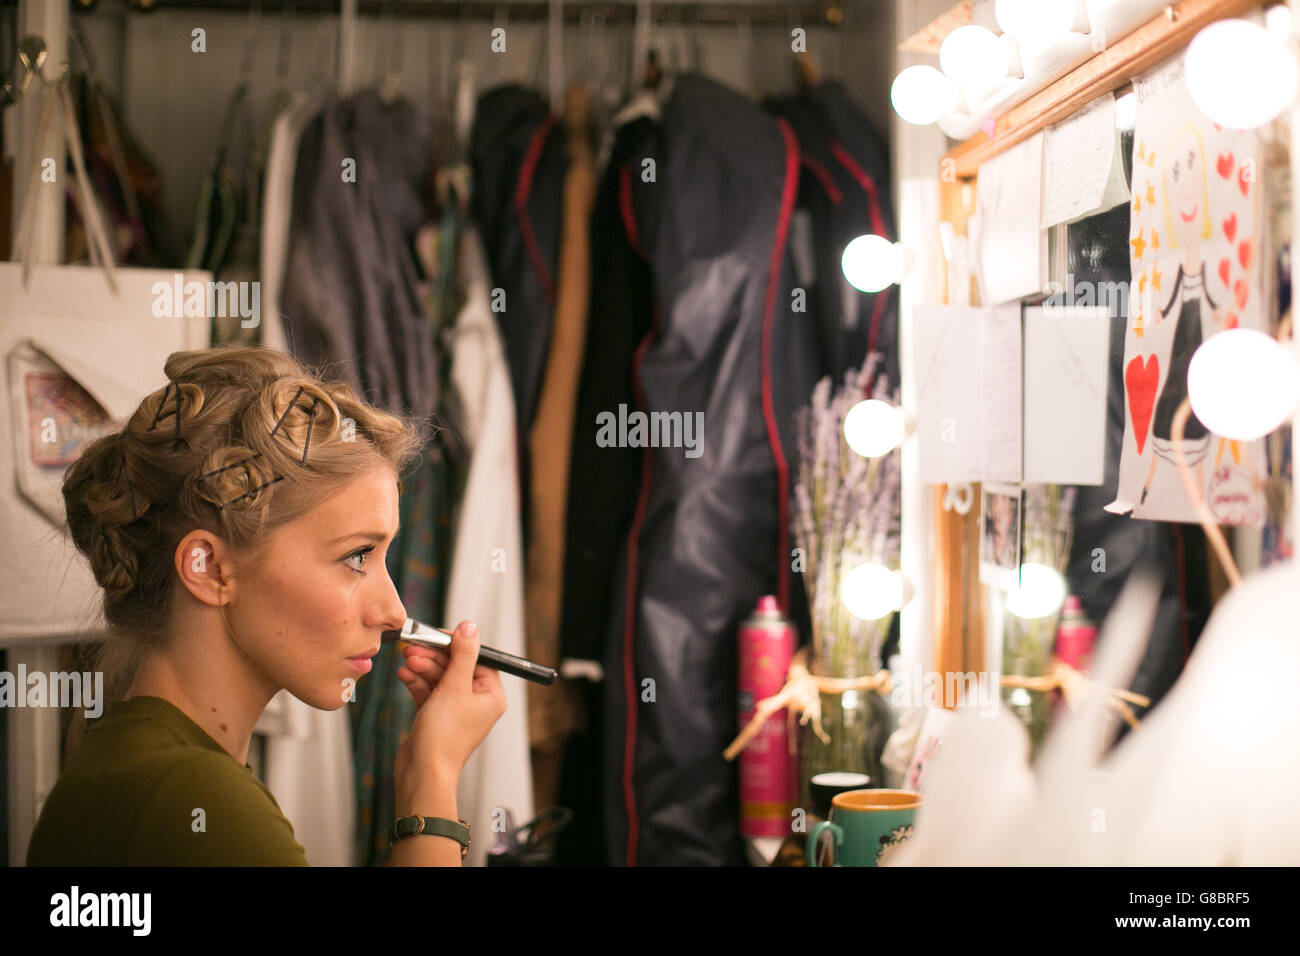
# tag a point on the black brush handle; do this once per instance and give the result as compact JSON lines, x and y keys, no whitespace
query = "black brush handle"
{"x":488,"y":657}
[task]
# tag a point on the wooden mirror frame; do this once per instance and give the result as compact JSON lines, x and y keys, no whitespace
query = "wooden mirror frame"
{"x":959,"y":645}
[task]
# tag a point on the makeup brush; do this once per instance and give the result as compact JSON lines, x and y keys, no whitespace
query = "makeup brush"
{"x":414,"y":632}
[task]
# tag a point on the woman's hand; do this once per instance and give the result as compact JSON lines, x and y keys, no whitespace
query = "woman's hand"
{"x":459,"y":701}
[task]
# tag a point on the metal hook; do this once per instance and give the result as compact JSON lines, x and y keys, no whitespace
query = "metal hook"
{"x":250,"y":40}
{"x":959,"y":498}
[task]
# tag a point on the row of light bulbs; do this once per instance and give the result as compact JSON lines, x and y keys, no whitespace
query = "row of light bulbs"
{"x":1239,"y":73}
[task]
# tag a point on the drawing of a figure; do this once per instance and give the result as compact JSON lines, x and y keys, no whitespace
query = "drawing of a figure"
{"x":1186,"y":197}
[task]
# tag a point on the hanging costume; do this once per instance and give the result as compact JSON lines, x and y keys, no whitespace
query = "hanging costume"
{"x":844,"y":192}
{"x":351,"y":302}
{"x":486,"y":583}
{"x":710,"y":534}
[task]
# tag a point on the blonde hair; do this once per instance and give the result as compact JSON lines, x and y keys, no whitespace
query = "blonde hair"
{"x":1207,"y":225}
{"x":241,"y":441}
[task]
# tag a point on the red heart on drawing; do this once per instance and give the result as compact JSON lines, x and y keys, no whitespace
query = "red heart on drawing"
{"x":1225,"y":267}
{"x":1242,"y":292}
{"x":1224,"y":165}
{"x":1244,"y":180}
{"x":1230,"y":227}
{"x":1141,"y":378}
{"x":1243,"y":253}
{"x":1231,"y":321}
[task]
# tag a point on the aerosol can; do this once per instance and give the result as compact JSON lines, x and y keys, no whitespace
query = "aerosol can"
{"x":768,"y":767}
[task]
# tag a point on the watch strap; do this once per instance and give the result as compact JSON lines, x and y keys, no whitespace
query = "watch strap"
{"x":432,"y":826}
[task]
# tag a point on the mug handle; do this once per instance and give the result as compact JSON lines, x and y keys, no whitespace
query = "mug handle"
{"x":810,"y":851}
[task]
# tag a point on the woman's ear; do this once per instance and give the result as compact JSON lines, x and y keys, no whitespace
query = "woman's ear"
{"x":203,"y":563}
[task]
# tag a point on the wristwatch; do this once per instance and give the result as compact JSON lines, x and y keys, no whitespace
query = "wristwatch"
{"x":432,"y":826}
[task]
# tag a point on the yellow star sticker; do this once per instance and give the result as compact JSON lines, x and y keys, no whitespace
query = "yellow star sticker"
{"x":1151,"y":194}
{"x":1151,"y":158}
{"x":1142,"y":282}
{"x":1137,"y":203}
{"x":1155,"y":278}
{"x":1142,"y":150}
{"x":1155,"y":239}
{"x":1139,"y":245}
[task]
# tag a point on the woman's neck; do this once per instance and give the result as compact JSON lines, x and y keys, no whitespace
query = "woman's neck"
{"x":209,"y":681}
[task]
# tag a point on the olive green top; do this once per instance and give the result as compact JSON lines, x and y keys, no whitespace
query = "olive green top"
{"x":150,"y":787}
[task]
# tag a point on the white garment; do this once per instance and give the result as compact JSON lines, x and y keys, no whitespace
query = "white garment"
{"x":309,"y":764}
{"x":1209,"y":777}
{"x":487,"y":583}
{"x":277,"y":208}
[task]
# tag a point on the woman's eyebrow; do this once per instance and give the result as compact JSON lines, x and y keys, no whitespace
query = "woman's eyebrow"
{"x":375,"y":536}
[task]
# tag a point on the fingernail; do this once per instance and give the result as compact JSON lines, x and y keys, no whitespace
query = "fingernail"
{"x":471,"y":628}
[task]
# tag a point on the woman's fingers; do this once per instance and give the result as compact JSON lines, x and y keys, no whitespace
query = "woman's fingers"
{"x":429,"y":669}
{"x":419,"y":689}
{"x":418,"y":650}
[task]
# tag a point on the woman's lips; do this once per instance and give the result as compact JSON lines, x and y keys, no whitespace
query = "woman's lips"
{"x":1188,"y":216}
{"x":361,"y":664}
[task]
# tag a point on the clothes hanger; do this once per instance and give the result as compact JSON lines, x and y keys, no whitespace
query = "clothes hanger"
{"x":284,"y":47}
{"x":390,"y":87}
{"x":217,"y":193}
{"x":697,"y":49}
{"x":808,"y":72}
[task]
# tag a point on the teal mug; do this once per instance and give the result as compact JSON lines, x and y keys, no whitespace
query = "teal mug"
{"x":867,"y":826}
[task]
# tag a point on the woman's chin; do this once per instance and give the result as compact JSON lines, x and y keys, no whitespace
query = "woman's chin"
{"x":327,"y":696}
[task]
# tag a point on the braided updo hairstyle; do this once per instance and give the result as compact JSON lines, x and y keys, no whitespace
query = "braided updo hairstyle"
{"x":241,"y":441}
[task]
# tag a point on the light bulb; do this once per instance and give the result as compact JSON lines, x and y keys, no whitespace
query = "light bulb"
{"x":974,"y":57}
{"x":1243,"y":384}
{"x":870,"y":591}
{"x":921,"y":94}
{"x":1240,"y":75}
{"x":1277,"y":21}
{"x":872,"y":263}
{"x":959,"y":126}
{"x":1038,"y":22}
{"x":1041,"y":592}
{"x":873,"y":428}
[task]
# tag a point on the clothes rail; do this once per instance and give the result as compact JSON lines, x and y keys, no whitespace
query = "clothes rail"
{"x":703,"y":14}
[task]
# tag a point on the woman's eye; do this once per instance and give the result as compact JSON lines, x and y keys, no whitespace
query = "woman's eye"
{"x":360,"y":556}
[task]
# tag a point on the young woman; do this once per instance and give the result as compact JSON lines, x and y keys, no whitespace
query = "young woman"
{"x":238,"y":525}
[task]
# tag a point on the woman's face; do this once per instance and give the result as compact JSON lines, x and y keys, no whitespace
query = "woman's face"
{"x":309,"y":612}
{"x":1185,"y":187}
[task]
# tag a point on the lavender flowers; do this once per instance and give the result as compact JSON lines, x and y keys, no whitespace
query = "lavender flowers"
{"x":845,"y":514}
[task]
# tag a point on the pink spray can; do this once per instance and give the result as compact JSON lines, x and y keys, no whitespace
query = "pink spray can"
{"x":1075,"y":638}
{"x":768,"y":770}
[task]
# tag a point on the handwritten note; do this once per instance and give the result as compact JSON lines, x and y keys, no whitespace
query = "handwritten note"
{"x":1011,"y":246}
{"x":1000,"y":386}
{"x":1083,"y":170}
{"x":1066,"y":362}
{"x":969,"y":393}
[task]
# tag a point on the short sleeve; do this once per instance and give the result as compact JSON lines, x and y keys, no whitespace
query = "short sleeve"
{"x":209,"y":811}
